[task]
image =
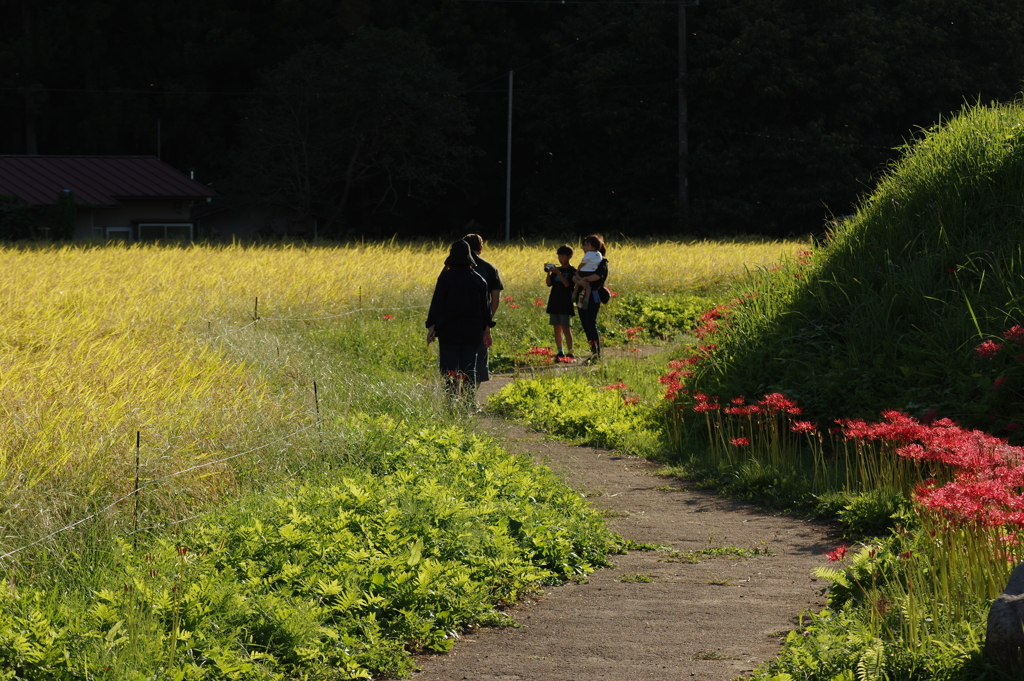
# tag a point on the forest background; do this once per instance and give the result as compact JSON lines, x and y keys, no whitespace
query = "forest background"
{"x":389,"y":116}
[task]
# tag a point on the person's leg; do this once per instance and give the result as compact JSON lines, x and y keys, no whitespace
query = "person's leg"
{"x":481,"y":373}
{"x":448,"y":363}
{"x":468,"y":366}
{"x":567,"y":333}
{"x":558,"y":339}
{"x":588,"y":319}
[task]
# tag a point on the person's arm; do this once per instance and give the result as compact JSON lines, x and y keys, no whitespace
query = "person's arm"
{"x":600,"y":274}
{"x":495,"y":299}
{"x":434,"y":312}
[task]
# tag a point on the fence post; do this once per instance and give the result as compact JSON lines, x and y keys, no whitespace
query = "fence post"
{"x":135,"y":493}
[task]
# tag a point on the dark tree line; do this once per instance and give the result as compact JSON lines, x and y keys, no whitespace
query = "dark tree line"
{"x":384,"y":116}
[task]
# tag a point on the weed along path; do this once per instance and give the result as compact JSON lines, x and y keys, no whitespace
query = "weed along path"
{"x":684,"y":613}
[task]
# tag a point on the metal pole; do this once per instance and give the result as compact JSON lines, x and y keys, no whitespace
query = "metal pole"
{"x":684,"y":194}
{"x":508,"y":166}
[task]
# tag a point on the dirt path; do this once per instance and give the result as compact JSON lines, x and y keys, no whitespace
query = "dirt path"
{"x":712,"y":620}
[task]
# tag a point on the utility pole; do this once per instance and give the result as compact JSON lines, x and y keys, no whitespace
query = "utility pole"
{"x":508,"y":166}
{"x":684,"y":143}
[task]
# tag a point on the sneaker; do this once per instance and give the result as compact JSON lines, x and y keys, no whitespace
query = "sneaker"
{"x":569,"y":356}
{"x":559,"y":357}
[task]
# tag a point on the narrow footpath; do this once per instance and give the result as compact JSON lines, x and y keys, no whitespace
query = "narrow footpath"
{"x":714,"y":620}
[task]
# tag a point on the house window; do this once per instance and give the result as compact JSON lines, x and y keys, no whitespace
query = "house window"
{"x":165,"y":231}
{"x":119,"y":233}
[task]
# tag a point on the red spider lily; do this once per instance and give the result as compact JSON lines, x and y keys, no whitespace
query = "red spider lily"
{"x":513,"y":306}
{"x":802,"y":426}
{"x":704,"y":404}
{"x":1014,"y":334}
{"x":631,"y":334}
{"x":739,"y":441}
{"x":508,"y":299}
{"x":777,"y":402}
{"x":838,"y":553}
{"x":987,"y":349}
{"x":631,"y":400}
{"x":775,"y":268}
{"x":738,"y":400}
{"x":999,"y":383}
{"x":388,"y":317}
{"x":738,"y":411}
{"x":538,"y":302}
{"x":616,"y":386}
{"x":545,"y":352}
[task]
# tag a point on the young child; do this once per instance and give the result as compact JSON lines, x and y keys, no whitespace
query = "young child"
{"x":560,"y":310}
{"x":588,"y":265}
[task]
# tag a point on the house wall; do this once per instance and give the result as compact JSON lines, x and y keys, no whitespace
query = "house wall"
{"x":129,"y":214}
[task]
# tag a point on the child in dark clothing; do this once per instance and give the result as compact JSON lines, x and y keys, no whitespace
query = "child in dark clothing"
{"x":560,"y":309}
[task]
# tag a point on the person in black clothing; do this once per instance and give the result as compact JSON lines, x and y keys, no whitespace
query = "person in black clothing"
{"x":560,"y":310}
{"x":494,"y":288}
{"x":459,"y":318}
{"x":588,"y":316}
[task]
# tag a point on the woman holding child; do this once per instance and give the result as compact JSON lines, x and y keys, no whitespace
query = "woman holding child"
{"x":590,"y":291}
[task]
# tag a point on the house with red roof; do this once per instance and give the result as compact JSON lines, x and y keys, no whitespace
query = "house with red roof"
{"x":128,"y":198}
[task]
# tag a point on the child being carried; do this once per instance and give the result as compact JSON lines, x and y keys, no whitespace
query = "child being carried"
{"x":588,"y":265}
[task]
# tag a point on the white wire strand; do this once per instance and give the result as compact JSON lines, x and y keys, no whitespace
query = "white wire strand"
{"x":147,"y":483}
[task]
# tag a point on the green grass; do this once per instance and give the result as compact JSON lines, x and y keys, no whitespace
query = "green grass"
{"x":886,"y":313}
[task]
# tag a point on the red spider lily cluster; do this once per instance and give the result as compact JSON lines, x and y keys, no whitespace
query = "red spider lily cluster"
{"x":838,"y":553}
{"x":740,"y":441}
{"x":633,"y":333}
{"x":538,"y":302}
{"x":513,"y":306}
{"x":508,"y":299}
{"x":1001,"y":360}
{"x":626,"y":397}
{"x":988,"y":349}
{"x":540,"y":355}
{"x":709,"y":321}
{"x":804,"y":257}
{"x":388,"y":317}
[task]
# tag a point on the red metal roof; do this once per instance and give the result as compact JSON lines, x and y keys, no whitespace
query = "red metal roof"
{"x":95,"y":180}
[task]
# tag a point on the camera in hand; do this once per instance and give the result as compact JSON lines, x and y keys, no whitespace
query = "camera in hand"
{"x":548,"y":267}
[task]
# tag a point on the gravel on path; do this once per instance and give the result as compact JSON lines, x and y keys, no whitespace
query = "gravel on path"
{"x":715,"y":620}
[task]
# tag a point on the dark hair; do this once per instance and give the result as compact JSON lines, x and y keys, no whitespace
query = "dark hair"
{"x":564,"y":249}
{"x":475,"y":241}
{"x":595,"y":241}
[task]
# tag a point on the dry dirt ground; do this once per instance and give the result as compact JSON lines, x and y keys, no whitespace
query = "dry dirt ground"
{"x":713,"y":620}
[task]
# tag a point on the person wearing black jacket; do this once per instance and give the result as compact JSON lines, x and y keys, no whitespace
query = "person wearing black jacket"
{"x":459,"y":318}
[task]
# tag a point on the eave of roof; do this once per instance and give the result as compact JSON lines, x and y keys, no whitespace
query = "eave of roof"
{"x":95,"y":180}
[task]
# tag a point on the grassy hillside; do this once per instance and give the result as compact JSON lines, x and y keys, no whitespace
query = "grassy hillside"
{"x":891,"y":311}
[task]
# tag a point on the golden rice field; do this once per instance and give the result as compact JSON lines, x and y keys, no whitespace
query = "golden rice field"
{"x":99,"y":343}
